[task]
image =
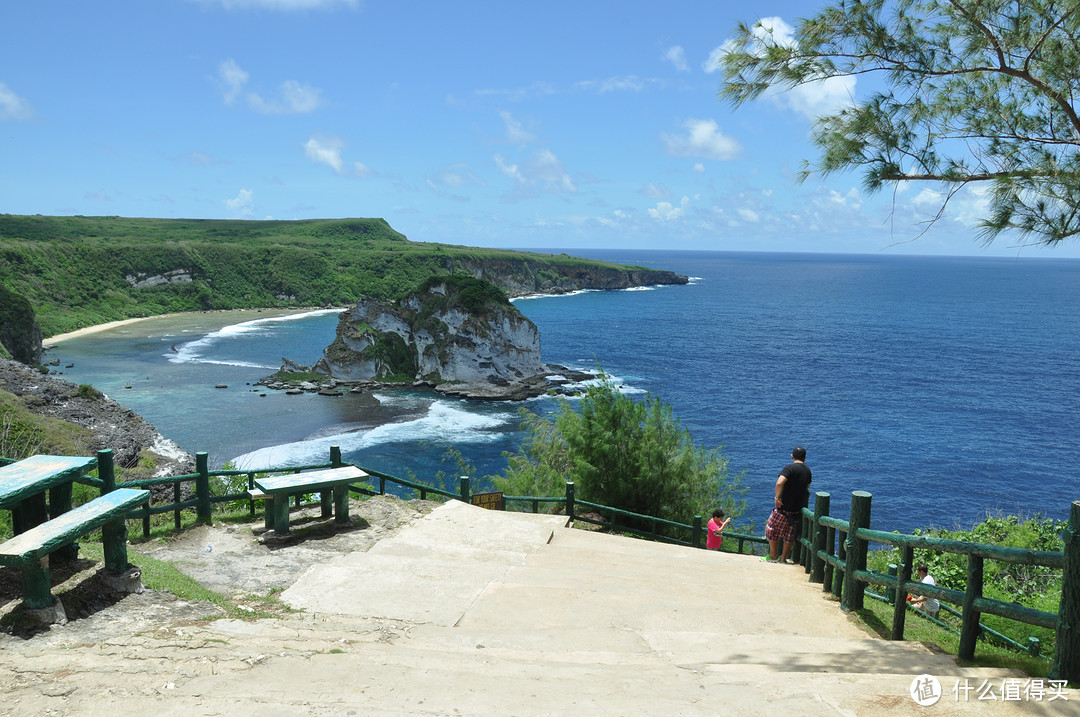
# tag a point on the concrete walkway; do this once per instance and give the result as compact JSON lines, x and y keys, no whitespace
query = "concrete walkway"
{"x":472,"y":612}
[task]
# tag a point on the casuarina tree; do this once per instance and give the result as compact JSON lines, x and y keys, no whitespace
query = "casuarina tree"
{"x":963,"y":92}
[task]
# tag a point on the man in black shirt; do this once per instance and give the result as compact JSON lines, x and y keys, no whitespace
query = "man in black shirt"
{"x":792,"y":488}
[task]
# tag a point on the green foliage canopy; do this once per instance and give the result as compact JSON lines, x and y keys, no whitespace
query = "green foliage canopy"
{"x":632,"y":455}
{"x":975,"y":91}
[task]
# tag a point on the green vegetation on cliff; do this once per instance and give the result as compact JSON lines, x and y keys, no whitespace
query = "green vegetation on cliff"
{"x":631,"y":455}
{"x":80,"y":271}
{"x":20,"y":337}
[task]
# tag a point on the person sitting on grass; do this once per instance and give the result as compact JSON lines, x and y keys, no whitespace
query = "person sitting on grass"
{"x":928,"y":605}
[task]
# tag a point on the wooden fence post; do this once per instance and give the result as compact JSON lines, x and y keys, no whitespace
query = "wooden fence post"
{"x":335,"y":457}
{"x":838,"y":573}
{"x":176,"y":499}
{"x":969,"y":630}
{"x":817,"y":563}
{"x":900,"y":595}
{"x":202,"y":489}
{"x":569,"y":500}
{"x":852,"y":598}
{"x":830,"y":551}
{"x":696,"y":538}
{"x":106,"y":471}
{"x":466,"y":493}
{"x":1066,"y":665}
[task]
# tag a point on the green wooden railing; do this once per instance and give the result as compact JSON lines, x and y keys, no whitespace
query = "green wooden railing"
{"x":832,"y":551}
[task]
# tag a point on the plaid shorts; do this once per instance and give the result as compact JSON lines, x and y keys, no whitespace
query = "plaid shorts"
{"x":781,"y":526}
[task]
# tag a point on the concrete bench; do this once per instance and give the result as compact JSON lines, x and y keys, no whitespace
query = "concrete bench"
{"x":275,"y":490}
{"x":29,"y":550}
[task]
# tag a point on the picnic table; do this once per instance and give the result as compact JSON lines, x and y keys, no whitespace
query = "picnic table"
{"x":39,"y":487}
{"x":50,"y":527}
{"x":278,"y":489}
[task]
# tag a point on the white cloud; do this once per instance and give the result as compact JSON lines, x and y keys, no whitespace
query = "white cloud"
{"x":677,"y":57}
{"x":455,"y":176}
{"x":243,"y":204}
{"x":655,"y":191}
{"x":667,"y":212}
{"x":541,"y":172}
{"x":712,"y":62}
{"x":537,"y":89}
{"x":234,"y":78}
{"x":515,"y":133}
{"x":199,"y":159}
{"x":548,"y":170}
{"x":510,"y":170}
{"x":699,"y":167}
{"x":811,"y":99}
{"x":622,"y":83}
{"x":326,"y":150}
{"x":13,"y":107}
{"x":280,"y":5}
{"x":702,"y":139}
{"x":968,"y":206}
{"x":851,"y":199}
{"x":296,"y":98}
{"x":748,"y":215}
{"x":817,"y":99}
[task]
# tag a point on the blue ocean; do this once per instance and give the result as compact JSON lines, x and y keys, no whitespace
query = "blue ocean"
{"x":947,"y":387}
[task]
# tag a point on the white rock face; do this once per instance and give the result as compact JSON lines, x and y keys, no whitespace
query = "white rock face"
{"x":448,"y":346}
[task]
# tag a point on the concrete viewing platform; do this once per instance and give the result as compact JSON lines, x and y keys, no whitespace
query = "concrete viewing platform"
{"x":474,"y":612}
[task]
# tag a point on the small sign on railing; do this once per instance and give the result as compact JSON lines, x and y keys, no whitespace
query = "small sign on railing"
{"x":491,"y":501}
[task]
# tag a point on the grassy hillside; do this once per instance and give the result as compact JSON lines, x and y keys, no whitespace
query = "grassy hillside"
{"x":79,"y":271}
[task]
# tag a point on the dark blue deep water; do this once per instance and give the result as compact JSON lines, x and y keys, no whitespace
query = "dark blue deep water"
{"x":946,"y":387}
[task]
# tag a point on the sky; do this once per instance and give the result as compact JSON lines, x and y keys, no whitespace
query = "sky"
{"x":556,"y":125}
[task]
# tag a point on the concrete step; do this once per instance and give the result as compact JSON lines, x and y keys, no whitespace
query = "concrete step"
{"x":471,"y":612}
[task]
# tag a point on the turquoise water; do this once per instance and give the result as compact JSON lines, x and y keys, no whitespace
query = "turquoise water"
{"x":946,"y":387}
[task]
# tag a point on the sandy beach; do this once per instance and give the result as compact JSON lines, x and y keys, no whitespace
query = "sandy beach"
{"x":228,"y":315}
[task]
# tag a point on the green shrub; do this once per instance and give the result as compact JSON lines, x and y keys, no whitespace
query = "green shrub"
{"x":627,"y":454}
{"x":1028,"y":585}
{"x":87,"y":391}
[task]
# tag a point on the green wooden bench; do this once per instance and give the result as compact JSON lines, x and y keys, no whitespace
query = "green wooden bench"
{"x":29,"y":550}
{"x":24,"y":485}
{"x":275,"y":491}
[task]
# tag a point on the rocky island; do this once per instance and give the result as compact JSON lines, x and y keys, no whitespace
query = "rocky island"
{"x":456,"y":334}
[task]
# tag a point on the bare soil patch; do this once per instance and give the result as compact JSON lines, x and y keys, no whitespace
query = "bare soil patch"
{"x":242,"y":562}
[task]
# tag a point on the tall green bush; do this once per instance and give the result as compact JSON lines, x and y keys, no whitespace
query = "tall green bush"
{"x":627,"y":454}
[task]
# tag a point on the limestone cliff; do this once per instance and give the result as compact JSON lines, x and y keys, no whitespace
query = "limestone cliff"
{"x":456,"y":333}
{"x":522,"y":276}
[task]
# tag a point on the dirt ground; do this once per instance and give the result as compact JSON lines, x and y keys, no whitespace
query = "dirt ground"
{"x":239,"y":561}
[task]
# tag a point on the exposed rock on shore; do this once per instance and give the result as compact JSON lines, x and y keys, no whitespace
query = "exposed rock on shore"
{"x":110,"y":425}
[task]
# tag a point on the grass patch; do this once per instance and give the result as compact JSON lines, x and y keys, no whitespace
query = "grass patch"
{"x":876,"y":618}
